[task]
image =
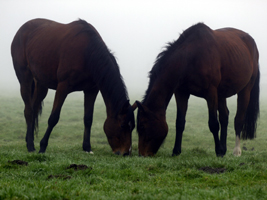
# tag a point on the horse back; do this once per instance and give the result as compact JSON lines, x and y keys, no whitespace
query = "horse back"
{"x":226,"y":59}
{"x":52,"y":51}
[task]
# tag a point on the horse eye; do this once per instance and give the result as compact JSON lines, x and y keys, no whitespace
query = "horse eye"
{"x":141,"y":127}
{"x":124,"y":126}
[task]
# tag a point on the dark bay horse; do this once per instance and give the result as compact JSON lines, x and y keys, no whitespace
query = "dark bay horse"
{"x":211,"y":64}
{"x":66,"y":58}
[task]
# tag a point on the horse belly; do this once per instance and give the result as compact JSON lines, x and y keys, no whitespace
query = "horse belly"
{"x":199,"y":80}
{"x":234,"y":82}
{"x":236,"y":61}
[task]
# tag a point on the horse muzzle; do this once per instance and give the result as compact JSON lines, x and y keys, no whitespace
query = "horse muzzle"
{"x":124,"y":153}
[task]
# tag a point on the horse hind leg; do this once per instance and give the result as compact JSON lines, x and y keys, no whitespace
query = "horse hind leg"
{"x":26,"y":90}
{"x":242,"y":104}
{"x":40,"y":93}
{"x":237,"y":150}
{"x":27,"y":85}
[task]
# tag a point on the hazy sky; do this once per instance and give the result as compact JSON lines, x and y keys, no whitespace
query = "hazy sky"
{"x":136,"y":31}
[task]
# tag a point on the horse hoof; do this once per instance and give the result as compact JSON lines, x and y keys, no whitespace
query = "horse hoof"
{"x":176,"y":154}
{"x":220,"y":155}
{"x":237,"y":151}
{"x":31,"y":149}
{"x":127,"y":154}
{"x":42,"y":150}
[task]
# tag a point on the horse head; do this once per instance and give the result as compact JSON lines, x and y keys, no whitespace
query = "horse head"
{"x":152,"y":130}
{"x":119,"y":129}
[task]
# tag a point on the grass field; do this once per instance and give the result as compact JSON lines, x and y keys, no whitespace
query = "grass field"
{"x":196,"y":174}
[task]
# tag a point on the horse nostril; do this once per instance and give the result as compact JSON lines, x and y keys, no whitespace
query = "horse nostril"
{"x":126,"y":154}
{"x":118,"y":153}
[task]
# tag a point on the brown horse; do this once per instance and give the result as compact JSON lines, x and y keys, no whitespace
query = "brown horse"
{"x":66,"y":58}
{"x":211,"y":64}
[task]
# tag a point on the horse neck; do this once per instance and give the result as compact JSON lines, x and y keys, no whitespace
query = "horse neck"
{"x":159,"y":96}
{"x":113,"y":108}
{"x":114,"y":94}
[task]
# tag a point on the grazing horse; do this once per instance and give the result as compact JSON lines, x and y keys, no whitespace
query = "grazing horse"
{"x":211,"y":64}
{"x":67,"y":58}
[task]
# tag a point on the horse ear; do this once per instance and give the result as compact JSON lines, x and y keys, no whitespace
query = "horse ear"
{"x":130,"y":116}
{"x":124,"y":108}
{"x":134,"y":106}
{"x":140,"y":106}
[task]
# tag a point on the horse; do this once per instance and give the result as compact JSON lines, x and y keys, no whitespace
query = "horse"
{"x":67,"y":58}
{"x":210,"y":64}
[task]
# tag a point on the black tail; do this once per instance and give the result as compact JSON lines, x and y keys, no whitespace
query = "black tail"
{"x":252,"y":114}
{"x":36,"y":113}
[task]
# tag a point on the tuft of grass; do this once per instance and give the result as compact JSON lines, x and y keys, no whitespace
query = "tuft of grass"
{"x":107,"y":176}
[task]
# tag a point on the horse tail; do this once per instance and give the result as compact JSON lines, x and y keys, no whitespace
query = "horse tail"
{"x":252,"y":114}
{"x":33,"y":88}
{"x":39,"y":111}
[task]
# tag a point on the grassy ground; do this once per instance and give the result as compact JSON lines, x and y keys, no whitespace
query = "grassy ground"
{"x":196,"y":174}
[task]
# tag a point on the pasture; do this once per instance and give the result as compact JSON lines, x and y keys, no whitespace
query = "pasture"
{"x":66,"y":172}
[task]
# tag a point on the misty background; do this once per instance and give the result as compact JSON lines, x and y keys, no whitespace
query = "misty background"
{"x":136,"y":31}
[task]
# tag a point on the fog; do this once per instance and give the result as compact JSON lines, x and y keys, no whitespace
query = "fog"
{"x":136,"y":31}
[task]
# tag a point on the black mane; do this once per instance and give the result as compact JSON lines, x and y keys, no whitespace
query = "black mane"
{"x":169,"y":50}
{"x":104,"y":68}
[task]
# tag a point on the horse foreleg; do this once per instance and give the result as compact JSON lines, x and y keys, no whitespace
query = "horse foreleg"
{"x":89,"y":100}
{"x":223,"y":118}
{"x":212,"y":101}
{"x":61,"y":94}
{"x":181,"y":102}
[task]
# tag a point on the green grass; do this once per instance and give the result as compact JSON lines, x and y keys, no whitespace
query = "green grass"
{"x":114,"y":177}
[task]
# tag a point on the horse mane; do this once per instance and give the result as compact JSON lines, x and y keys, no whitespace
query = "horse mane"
{"x":101,"y":62}
{"x":169,"y":49}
